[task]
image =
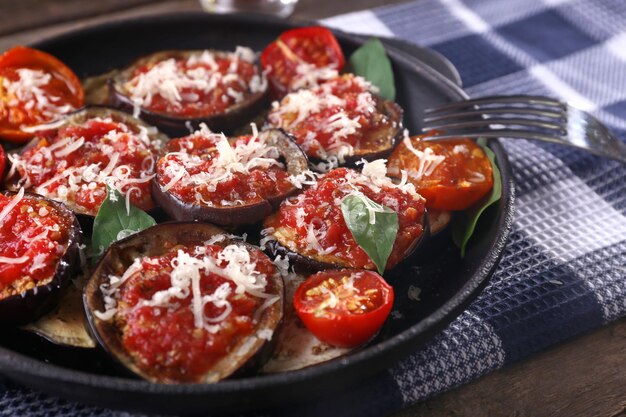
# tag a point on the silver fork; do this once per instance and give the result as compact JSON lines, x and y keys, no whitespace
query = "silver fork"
{"x":529,"y":117}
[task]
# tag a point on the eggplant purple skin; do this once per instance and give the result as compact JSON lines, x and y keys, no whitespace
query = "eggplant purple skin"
{"x":176,"y":126}
{"x":395,"y":113}
{"x":305,"y":264}
{"x":296,"y":162}
{"x":31,"y":304}
{"x":149,"y":242}
{"x":76,"y":118}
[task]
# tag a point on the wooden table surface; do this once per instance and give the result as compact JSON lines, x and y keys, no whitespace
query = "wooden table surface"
{"x":581,"y":377}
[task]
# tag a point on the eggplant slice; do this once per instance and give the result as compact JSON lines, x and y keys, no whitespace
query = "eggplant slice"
{"x":295,"y":162}
{"x":246,"y":353}
{"x":33,"y":303}
{"x":78,"y":118}
{"x":376,"y":143}
{"x":317,"y":213}
{"x":67,"y":324}
{"x":383,"y":140}
{"x":279,"y":244}
{"x":227,"y":121}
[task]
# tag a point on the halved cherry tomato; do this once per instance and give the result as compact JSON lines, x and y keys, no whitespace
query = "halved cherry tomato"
{"x":35,"y":88}
{"x":310,"y":45}
{"x":3,"y":160}
{"x":344,"y":308}
{"x":451,"y":174}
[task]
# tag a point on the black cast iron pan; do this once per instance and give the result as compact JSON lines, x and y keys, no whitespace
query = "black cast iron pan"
{"x":448,"y":284}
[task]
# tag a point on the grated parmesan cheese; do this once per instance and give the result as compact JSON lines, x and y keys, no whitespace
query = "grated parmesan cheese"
{"x":175,"y":79}
{"x":28,"y":89}
{"x":297,"y":109}
{"x":14,"y":202}
{"x":220,"y":166}
{"x":233,"y":262}
{"x":265,"y":334}
{"x":309,"y":75}
{"x":307,"y":177}
{"x":428,"y":160}
{"x":64,"y":182}
{"x":7,"y":260}
{"x":309,"y":216}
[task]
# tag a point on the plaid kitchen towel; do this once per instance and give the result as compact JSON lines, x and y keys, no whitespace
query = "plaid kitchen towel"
{"x":564,"y":268}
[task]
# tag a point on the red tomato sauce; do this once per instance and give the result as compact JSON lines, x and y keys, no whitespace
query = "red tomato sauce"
{"x":319,"y":209}
{"x":316,"y":118}
{"x":164,"y":340}
{"x":198,"y":156}
{"x":35,"y":230}
{"x":203,"y":89}
{"x":111,"y":151}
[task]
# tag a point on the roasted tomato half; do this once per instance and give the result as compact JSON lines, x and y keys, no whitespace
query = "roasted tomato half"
{"x":35,"y":88}
{"x":181,"y":302}
{"x":176,"y":90}
{"x":340,"y":121}
{"x":344,"y":308}
{"x":311,"y":229}
{"x":39,"y":241}
{"x":72,"y":160}
{"x":301,"y":58}
{"x":207,"y":177}
{"x":451,"y":174}
{"x":296,"y":347}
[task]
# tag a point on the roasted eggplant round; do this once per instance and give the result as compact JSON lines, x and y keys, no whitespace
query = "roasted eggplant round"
{"x":340,"y":121}
{"x":179,"y":90}
{"x":310,"y":227}
{"x":183,"y":302}
{"x":206,"y":177}
{"x":278,"y":244}
{"x":382,"y":141}
{"x":72,"y":160}
{"x":39,"y":243}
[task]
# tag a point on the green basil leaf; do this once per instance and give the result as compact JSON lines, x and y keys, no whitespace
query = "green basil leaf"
{"x":376,"y":239}
{"x":371,"y":62}
{"x":112,"y":218}
{"x":465,"y":224}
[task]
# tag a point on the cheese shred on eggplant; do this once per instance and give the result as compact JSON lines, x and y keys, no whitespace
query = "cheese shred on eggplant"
{"x":187,"y":270}
{"x":300,"y":105}
{"x":309,"y":220}
{"x":242,"y":157}
{"x":66,"y":182}
{"x":14,"y":202}
{"x":170,"y":79}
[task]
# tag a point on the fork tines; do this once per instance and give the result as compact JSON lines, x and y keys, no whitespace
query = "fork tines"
{"x":533,"y":117}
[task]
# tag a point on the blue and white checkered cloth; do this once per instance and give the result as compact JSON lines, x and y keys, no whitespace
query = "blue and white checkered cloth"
{"x":564,"y":269}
